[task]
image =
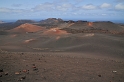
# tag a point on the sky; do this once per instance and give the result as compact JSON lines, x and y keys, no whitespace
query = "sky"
{"x":65,"y":9}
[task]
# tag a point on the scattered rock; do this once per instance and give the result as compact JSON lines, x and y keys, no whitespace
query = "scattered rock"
{"x":22,"y":78}
{"x":17,"y":73}
{"x":1,"y":70}
{"x":0,"y":75}
{"x":100,"y":75}
{"x":6,"y":73}
{"x":33,"y":66}
{"x":35,"y":69}
{"x":24,"y":70}
{"x":114,"y":71}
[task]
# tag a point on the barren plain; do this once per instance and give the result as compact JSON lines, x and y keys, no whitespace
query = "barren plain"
{"x":62,"y":51}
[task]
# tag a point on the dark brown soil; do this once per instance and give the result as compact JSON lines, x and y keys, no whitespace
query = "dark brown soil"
{"x":58,"y":67}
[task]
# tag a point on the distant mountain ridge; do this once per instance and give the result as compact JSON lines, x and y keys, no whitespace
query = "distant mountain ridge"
{"x":1,"y":22}
{"x":80,"y":26}
{"x":25,"y":21}
{"x":52,"y":21}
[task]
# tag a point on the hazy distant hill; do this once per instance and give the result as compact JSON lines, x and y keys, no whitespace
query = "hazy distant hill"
{"x":25,"y":21}
{"x":51,"y":21}
{"x":11,"y":25}
{"x":1,"y":22}
{"x":70,"y":26}
{"x":8,"y":26}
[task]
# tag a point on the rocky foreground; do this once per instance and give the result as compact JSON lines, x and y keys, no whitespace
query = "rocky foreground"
{"x":59,"y":67}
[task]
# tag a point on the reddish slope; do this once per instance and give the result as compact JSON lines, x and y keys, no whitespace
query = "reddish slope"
{"x":55,"y":31}
{"x":26,"y":28}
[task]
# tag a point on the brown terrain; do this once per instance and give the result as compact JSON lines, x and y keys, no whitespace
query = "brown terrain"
{"x":54,"y":50}
{"x":26,"y":28}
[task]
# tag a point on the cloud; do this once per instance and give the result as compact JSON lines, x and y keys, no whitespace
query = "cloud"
{"x":64,"y":7}
{"x":53,"y":7}
{"x":44,"y":7}
{"x":61,"y":7}
{"x":5,"y":10}
{"x":17,"y":5}
{"x":119,"y":6}
{"x":120,"y":0}
{"x":8,"y":10}
{"x":89,"y":7}
{"x":103,"y":14}
{"x":105,"y":5}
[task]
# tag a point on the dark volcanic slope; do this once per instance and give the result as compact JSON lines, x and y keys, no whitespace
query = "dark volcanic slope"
{"x":96,"y":25}
{"x":54,"y":39}
{"x":83,"y":25}
{"x":8,"y":26}
{"x":107,"y":26}
{"x":102,"y":44}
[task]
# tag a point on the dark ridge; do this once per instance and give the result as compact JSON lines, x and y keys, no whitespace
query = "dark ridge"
{"x":103,"y":22}
{"x":52,"y":21}
{"x":25,"y":21}
{"x":8,"y":26}
{"x":3,"y":32}
{"x":92,"y":30}
{"x":81,"y":21}
{"x":1,"y":22}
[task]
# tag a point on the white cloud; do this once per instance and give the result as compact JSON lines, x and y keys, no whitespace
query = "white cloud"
{"x":105,"y":5}
{"x":53,"y":7}
{"x":17,"y":5}
{"x":8,"y":10}
{"x":5,"y":10}
{"x":119,"y":6}
{"x":44,"y":7}
{"x":103,"y":14}
{"x":89,"y":7}
{"x":64,"y":7}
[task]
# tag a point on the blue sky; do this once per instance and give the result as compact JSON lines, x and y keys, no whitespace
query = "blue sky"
{"x":65,"y":9}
